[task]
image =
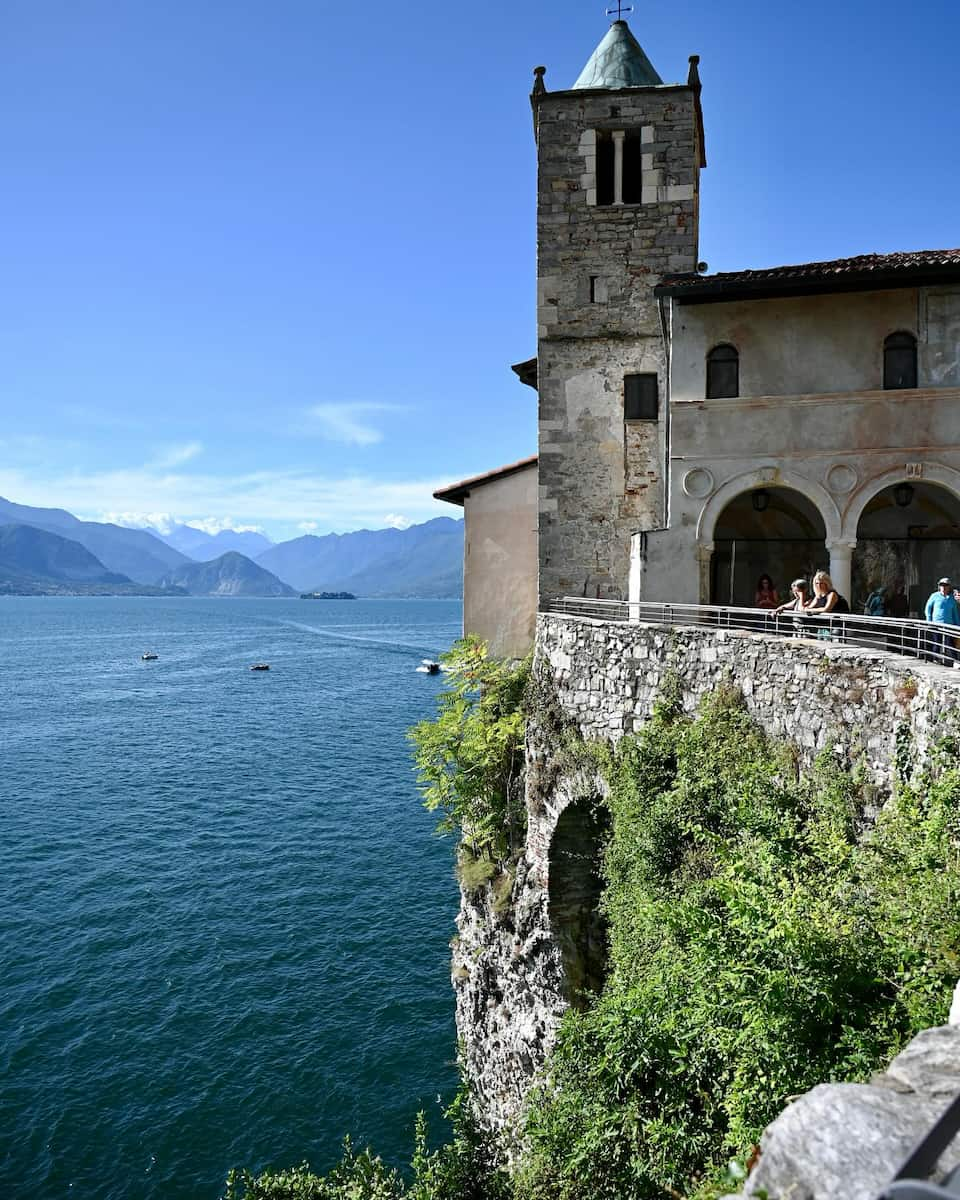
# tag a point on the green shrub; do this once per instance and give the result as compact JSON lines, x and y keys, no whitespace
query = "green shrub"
{"x":462,"y":1169}
{"x":470,"y":758}
{"x":760,"y":943}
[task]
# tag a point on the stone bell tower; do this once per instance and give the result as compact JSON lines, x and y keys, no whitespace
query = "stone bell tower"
{"x":619,"y":158}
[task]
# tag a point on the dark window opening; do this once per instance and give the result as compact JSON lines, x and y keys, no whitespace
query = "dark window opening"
{"x":632,"y":169}
{"x":641,"y":400}
{"x":593,"y":289}
{"x":723,"y":372}
{"x":900,"y":361}
{"x":604,"y":169}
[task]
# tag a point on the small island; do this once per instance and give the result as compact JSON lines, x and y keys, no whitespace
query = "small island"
{"x":327,"y":596}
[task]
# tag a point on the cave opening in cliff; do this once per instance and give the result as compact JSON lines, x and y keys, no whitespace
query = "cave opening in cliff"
{"x":576,"y":884}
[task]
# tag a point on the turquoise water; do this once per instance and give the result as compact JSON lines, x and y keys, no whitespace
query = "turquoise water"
{"x":223,"y":916}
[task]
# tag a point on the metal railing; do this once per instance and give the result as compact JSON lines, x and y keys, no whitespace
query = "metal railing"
{"x":911,"y":638}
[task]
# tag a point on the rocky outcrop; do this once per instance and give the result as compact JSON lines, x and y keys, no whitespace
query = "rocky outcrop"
{"x":850,"y":1139}
{"x":507,"y":975}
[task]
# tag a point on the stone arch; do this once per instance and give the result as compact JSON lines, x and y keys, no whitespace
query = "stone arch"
{"x":768,"y":477}
{"x":574,"y":888}
{"x":937,"y":473}
{"x":710,"y":553}
{"x":904,"y":543}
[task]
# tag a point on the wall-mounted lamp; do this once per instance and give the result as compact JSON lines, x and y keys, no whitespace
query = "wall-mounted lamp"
{"x":903,"y":495}
{"x":761,"y":500}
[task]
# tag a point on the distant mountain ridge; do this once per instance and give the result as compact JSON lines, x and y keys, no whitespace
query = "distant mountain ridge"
{"x":423,"y":561}
{"x":231,"y":574}
{"x":35,"y":561}
{"x":132,"y":552}
{"x":204,"y":547}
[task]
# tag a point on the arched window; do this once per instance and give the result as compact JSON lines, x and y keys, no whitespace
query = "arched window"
{"x":723,"y":372}
{"x":900,"y":361}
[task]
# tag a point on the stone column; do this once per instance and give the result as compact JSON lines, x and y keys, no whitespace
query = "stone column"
{"x":841,"y":554}
{"x":638,"y":566}
{"x":704,"y":561}
{"x":618,"y":136}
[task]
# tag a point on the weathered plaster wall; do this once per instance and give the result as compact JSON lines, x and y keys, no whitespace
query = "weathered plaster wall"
{"x":601,"y":479}
{"x":793,"y":345}
{"x":500,"y":563}
{"x":508,"y":966}
{"x":802,"y":345}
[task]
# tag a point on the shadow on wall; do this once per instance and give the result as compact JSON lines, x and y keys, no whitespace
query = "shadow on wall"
{"x":578,"y":927}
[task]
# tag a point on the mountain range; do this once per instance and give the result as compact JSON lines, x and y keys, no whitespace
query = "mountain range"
{"x":424,"y":561}
{"x":204,"y":547}
{"x":48,"y":550}
{"x":36,"y":562}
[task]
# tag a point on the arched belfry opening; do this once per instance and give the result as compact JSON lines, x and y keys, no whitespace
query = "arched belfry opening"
{"x":773,"y":531}
{"x":576,"y":884}
{"x":908,"y":537}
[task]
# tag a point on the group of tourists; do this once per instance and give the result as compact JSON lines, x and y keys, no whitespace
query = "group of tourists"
{"x":822,"y":598}
{"x":942,"y":608}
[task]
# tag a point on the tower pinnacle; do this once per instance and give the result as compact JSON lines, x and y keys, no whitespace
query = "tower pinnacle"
{"x":619,"y":61}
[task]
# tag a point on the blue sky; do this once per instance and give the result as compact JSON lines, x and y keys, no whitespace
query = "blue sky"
{"x":267,"y":263}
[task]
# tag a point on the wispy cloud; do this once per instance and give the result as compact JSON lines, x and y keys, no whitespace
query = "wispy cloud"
{"x":266,"y":497}
{"x":175,"y":456}
{"x":215,"y":525}
{"x":162,"y":522}
{"x":347,"y":422}
{"x":308,"y":526}
{"x":396,"y":521}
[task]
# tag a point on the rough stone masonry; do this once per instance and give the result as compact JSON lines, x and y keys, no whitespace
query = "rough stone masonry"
{"x":601,"y":476}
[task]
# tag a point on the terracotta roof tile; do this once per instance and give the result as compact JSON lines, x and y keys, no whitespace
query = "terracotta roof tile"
{"x":838,"y":270}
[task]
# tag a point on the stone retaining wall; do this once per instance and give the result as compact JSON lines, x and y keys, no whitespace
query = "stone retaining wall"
{"x":815,"y":694}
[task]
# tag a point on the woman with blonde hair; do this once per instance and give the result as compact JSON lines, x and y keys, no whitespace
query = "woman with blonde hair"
{"x":826,"y":598}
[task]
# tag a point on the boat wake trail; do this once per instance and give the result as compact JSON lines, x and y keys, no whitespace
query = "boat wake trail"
{"x":393,"y":647}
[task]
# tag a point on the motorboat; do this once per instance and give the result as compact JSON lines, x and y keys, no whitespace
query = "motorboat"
{"x":149,"y":657}
{"x":429,"y":667}
{"x":260,"y":667}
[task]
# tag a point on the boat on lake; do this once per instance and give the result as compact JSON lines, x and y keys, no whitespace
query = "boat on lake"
{"x":149,"y":657}
{"x":429,"y":667}
{"x":260,"y":667}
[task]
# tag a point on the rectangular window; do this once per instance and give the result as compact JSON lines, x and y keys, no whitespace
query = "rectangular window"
{"x":641,"y":400}
{"x":605,"y":164}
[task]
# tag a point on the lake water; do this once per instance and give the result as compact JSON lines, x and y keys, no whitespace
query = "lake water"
{"x":224,"y":919}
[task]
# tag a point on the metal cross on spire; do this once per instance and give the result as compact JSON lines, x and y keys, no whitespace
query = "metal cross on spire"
{"x":620,"y":10}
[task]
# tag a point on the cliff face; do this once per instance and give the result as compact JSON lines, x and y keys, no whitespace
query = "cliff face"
{"x":508,"y":980}
{"x":519,"y":964}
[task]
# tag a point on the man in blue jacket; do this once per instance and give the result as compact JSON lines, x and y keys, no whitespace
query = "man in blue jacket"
{"x":943,"y":610}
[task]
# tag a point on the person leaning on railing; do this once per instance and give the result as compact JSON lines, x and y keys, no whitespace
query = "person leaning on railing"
{"x":798,"y":589}
{"x":826,"y":599}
